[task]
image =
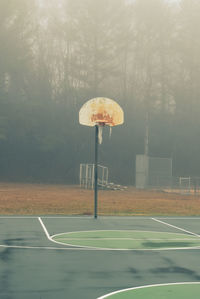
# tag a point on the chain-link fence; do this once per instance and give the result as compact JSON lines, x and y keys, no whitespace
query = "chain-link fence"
{"x":153,"y":172}
{"x":183,"y":185}
{"x":186,"y":185}
{"x":156,"y":173}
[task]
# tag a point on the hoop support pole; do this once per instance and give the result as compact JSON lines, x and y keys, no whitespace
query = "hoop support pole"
{"x":96,"y":173}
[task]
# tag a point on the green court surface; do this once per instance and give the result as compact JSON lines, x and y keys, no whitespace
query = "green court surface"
{"x":169,"y":291}
{"x":119,"y":239}
{"x":48,"y":257}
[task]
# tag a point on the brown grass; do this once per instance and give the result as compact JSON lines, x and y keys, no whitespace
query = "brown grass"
{"x":35,"y":199}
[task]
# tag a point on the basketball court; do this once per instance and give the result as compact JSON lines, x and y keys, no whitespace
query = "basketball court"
{"x":99,"y":257}
{"x":108,"y":257}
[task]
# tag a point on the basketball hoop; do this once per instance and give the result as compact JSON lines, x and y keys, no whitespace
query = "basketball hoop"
{"x":102,"y":112}
{"x":98,"y":113}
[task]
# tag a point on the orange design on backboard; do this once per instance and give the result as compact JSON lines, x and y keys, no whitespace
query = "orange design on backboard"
{"x":102,"y":118}
{"x":101,"y":111}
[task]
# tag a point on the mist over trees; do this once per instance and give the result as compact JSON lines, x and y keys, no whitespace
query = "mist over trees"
{"x":56,"y":55}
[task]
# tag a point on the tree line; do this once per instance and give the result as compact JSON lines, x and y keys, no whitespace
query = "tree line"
{"x":55,"y":55}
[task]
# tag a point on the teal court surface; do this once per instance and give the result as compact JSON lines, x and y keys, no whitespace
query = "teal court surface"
{"x":110,"y":257}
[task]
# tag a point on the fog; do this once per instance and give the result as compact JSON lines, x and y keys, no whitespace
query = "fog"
{"x":56,"y":55}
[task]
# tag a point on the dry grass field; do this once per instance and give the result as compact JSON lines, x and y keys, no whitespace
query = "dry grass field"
{"x":36,"y":199}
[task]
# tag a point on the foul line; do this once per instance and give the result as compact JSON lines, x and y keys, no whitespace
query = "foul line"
{"x":176,"y":227}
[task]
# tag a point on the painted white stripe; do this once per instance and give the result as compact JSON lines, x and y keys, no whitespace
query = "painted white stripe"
{"x":44,"y":247}
{"x":18,"y":217}
{"x":182,"y":218}
{"x":44,"y":228}
{"x":148,"y":286}
{"x":117,"y":230}
{"x":149,"y":217}
{"x":74,"y":247}
{"x":119,"y":249}
{"x":46,"y":217}
{"x":67,"y":217}
{"x":50,"y":238}
{"x":177,"y":227}
{"x":127,"y":239}
{"x":99,"y":217}
{"x":77,"y":248}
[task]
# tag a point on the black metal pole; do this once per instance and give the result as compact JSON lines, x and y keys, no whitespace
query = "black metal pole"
{"x":96,"y":173}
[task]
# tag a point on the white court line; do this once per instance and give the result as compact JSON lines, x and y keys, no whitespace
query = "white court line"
{"x":50,"y":238}
{"x":68,"y":217}
{"x":73,"y":247}
{"x":126,"y":239}
{"x":147,"y":286}
{"x":120,"y":249}
{"x":117,"y":230}
{"x":18,"y":217}
{"x":43,"y":247}
{"x":135,"y":218}
{"x":177,"y":227}
{"x":44,"y":228}
{"x":92,"y":248}
{"x":181,"y":217}
{"x":50,"y":217}
{"x":99,"y":217}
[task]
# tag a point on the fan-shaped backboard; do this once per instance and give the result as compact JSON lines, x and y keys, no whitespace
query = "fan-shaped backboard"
{"x":101,"y":111}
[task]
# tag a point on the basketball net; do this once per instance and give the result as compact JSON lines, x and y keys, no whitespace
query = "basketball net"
{"x":100,"y":132}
